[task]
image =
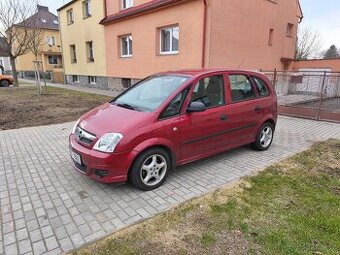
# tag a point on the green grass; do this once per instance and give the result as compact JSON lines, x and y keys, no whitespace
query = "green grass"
{"x":292,"y":207}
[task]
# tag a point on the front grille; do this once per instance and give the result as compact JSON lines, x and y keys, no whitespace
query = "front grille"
{"x":84,"y":136}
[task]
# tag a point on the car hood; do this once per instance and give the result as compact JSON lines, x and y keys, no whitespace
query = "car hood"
{"x":109,"y":118}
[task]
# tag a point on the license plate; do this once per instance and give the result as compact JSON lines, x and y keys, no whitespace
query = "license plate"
{"x":76,"y":157}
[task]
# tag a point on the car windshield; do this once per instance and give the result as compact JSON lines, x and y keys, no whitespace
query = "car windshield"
{"x":149,"y":94}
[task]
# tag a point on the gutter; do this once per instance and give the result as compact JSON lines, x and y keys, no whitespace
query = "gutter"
{"x":204,"y":33}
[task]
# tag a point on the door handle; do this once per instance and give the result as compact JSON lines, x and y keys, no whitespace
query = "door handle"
{"x":257,"y":109}
{"x":224,"y":117}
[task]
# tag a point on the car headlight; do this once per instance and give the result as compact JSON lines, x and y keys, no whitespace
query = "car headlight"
{"x":108,"y":142}
{"x":75,"y":127}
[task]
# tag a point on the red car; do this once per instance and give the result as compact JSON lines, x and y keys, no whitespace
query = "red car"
{"x":170,"y":119}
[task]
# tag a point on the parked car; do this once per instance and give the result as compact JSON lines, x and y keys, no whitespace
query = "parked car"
{"x":5,"y":80}
{"x":170,"y":119}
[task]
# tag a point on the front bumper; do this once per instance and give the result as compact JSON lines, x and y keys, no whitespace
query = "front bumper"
{"x":102,"y":167}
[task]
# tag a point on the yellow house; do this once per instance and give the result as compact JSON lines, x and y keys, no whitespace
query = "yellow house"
{"x":83,"y":43}
{"x":50,"y":48}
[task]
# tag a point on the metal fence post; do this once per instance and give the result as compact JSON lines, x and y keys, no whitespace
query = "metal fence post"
{"x":321,"y":94}
{"x":274,"y":78}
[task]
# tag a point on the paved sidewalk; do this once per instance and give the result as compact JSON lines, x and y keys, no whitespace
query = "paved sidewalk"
{"x":77,"y":88}
{"x":47,"y":207}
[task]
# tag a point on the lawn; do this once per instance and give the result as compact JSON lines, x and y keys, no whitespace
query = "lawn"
{"x":292,"y":207}
{"x":22,"y":107}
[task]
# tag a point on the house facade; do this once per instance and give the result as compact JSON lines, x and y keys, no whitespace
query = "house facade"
{"x":84,"y":42}
{"x":49,"y":49}
{"x":317,"y":65}
{"x":142,"y":37}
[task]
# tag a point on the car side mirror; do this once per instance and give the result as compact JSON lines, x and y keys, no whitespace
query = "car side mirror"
{"x":196,"y":107}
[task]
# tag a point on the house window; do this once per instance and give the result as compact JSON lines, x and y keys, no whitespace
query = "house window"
{"x":43,"y":20}
{"x":92,"y":79}
{"x":70,"y":18}
{"x":73,"y":53}
{"x":290,"y":30}
{"x":1,"y":63}
{"x":271,"y":37}
{"x":75,"y":78}
{"x":53,"y":60}
{"x":126,"y":46}
{"x":86,"y":9}
{"x":127,"y":4}
{"x":169,"y":40}
{"x":55,"y":22}
{"x":89,"y":50}
{"x":50,"y":40}
{"x":126,"y":83}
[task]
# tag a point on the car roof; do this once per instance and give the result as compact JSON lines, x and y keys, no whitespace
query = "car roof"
{"x":199,"y":72}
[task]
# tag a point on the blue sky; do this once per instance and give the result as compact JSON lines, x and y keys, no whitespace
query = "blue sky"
{"x":323,"y":16}
{"x":320,"y":15}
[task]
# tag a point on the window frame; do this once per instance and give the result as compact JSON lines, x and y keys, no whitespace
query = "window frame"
{"x":251,"y":84}
{"x":124,"y":4}
{"x":289,"y":30}
{"x":187,"y":89}
{"x":50,"y":57}
{"x":86,"y":12}
{"x":70,"y":16}
{"x":75,"y":80}
{"x":253,"y":77}
{"x":207,"y":76}
{"x":73,"y":53}
{"x":129,"y":41}
{"x":89,"y":52}
{"x":271,"y":37}
{"x":92,"y":80}
{"x":171,"y":51}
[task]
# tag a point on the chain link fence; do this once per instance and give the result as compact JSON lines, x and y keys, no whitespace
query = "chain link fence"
{"x":311,"y":94}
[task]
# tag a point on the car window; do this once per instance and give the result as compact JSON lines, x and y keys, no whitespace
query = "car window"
{"x":149,"y":94}
{"x":175,"y":105}
{"x":261,"y":87}
{"x":210,"y":91}
{"x":241,"y":88}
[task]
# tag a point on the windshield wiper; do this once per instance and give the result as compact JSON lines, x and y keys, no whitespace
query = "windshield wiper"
{"x":127,"y":106}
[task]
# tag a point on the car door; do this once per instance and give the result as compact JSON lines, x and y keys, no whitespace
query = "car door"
{"x":203,"y":133}
{"x":243,"y":110}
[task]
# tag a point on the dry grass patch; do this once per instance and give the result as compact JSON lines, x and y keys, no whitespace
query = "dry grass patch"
{"x":22,"y":107}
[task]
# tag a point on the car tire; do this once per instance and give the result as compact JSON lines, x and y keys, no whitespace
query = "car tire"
{"x":264,"y":137}
{"x":150,"y":169}
{"x":4,"y":83}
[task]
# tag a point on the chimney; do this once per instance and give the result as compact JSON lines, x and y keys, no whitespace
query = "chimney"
{"x":42,"y":8}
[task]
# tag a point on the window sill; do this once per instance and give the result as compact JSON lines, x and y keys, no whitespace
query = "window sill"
{"x":86,"y":17}
{"x":126,"y":56}
{"x":169,"y":53}
{"x":71,"y":23}
{"x":73,"y":62}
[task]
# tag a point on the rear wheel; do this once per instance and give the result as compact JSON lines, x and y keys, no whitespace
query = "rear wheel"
{"x":4,"y":83}
{"x":264,"y":137}
{"x":150,"y":169}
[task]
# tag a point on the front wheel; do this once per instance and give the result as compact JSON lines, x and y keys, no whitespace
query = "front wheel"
{"x":264,"y":137}
{"x":4,"y":83}
{"x":150,"y":169}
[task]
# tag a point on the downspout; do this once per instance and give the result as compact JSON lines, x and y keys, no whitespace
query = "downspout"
{"x":204,"y":32}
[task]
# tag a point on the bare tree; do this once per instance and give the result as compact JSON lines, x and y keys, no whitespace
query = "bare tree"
{"x":17,"y":29}
{"x":308,"y":44}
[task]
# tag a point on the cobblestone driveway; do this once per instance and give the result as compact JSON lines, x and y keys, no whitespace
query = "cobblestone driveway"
{"x":47,"y":207}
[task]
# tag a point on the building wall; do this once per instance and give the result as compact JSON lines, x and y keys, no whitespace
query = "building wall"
{"x":5,"y":62}
{"x":116,"y":5}
{"x":25,"y":62}
{"x":80,"y":32}
{"x":146,"y":59}
{"x":238,"y":33}
{"x":332,"y":64}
